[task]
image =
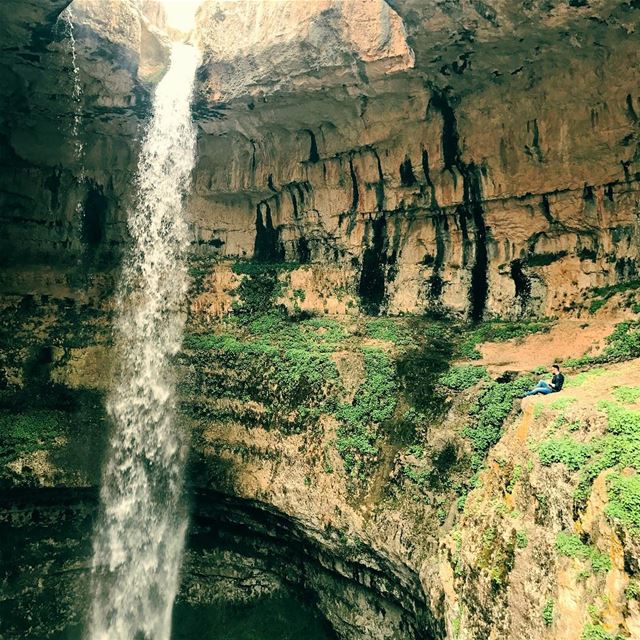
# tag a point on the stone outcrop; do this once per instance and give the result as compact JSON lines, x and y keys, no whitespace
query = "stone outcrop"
{"x":265,"y":47}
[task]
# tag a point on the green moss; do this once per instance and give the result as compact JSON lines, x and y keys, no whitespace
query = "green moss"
{"x":462,"y":377}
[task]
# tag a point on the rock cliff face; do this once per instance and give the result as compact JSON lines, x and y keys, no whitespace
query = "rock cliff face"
{"x":465,"y":180}
{"x":478,"y":159}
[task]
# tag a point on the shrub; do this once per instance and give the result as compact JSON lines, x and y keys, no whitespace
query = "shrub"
{"x":620,"y":446}
{"x":565,"y":450}
{"x":632,"y":592}
{"x":463,"y":377}
{"x":624,"y":342}
{"x":522,"y":541}
{"x":374,"y":403}
{"x":578,"y":379}
{"x":489,"y":412}
{"x":547,"y":613}
{"x":624,"y":500}
{"x":388,"y":330}
{"x":570,"y":546}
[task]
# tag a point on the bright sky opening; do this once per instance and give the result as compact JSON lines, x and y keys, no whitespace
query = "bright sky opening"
{"x":181,"y":13}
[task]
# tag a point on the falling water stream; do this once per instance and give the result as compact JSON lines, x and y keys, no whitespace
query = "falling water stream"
{"x":140,"y":534}
{"x":76,"y":92}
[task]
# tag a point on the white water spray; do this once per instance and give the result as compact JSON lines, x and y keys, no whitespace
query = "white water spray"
{"x":140,"y":535}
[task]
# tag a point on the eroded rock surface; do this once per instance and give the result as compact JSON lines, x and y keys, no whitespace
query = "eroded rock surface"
{"x":473,"y":158}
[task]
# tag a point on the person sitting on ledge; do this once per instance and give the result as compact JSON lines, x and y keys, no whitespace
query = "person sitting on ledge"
{"x":548,"y":387}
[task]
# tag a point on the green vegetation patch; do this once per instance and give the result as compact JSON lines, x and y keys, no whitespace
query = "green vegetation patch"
{"x":284,"y":364}
{"x":522,"y":540}
{"x":578,"y":379}
{"x":497,"y":332}
{"x":489,"y":412}
{"x":618,"y":448}
{"x":420,"y":368}
{"x":598,"y":632}
{"x":547,"y":613}
{"x":261,"y":285}
{"x":23,"y":433}
{"x":560,"y":404}
{"x":565,"y":450}
{"x":624,"y":500}
{"x":627,"y":395}
{"x":389,"y":330}
{"x":622,"y":344}
{"x":602,"y":294}
{"x":462,"y":377}
{"x":571,"y":546}
{"x":373,"y":404}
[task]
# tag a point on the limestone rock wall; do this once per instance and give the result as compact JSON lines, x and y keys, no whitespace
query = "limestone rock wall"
{"x":283,"y":46}
{"x":67,"y":160}
{"x":503,"y":183}
{"x":472,"y":158}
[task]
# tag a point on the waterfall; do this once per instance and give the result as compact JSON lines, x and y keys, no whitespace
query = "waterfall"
{"x":76,"y":91}
{"x":139,"y":535}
